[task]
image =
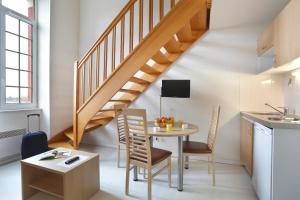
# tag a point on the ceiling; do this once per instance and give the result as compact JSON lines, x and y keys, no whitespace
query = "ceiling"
{"x":231,"y":13}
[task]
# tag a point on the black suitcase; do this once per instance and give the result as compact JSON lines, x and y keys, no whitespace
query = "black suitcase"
{"x":35,"y":142}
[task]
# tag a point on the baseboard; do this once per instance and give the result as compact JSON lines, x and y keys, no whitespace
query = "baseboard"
{"x":11,"y":158}
{"x":219,"y":160}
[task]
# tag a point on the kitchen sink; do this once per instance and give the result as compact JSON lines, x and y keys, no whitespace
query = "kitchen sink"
{"x":284,"y":119}
{"x":292,"y":119}
{"x":275,"y":118}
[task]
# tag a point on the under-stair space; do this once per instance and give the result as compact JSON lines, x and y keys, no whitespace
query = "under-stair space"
{"x":122,"y":65}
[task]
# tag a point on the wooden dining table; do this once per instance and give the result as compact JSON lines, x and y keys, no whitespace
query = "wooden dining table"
{"x":176,"y":132}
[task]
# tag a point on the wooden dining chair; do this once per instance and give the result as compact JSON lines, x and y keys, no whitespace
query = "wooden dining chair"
{"x":120,"y":123}
{"x":191,"y":148}
{"x":139,"y":150}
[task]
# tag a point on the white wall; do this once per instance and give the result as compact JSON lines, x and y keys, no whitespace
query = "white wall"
{"x":43,"y":63}
{"x":231,"y":13}
{"x":95,"y":16}
{"x":64,"y":37}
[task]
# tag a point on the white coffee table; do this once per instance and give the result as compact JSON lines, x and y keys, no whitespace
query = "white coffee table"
{"x":79,"y":181}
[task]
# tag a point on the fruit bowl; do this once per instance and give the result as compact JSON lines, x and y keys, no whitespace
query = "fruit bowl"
{"x":163,"y":121}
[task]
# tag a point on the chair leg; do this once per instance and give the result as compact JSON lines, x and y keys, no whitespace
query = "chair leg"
{"x":144,"y":173}
{"x":186,"y":162}
{"x":213,"y":169}
{"x":118,"y":155}
{"x":149,"y":183}
{"x":127,"y":178}
{"x":209,"y":163}
{"x":170,"y":171}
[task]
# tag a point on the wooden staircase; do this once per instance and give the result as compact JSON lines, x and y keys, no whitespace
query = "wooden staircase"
{"x":128,"y":57}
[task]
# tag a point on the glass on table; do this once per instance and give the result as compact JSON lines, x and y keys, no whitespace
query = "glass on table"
{"x":169,"y":127}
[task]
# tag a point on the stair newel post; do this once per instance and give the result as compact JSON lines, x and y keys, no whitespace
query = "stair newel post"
{"x":75,"y":105}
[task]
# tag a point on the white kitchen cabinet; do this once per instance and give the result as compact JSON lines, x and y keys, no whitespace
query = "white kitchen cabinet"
{"x":276,"y":163}
{"x":262,"y":161}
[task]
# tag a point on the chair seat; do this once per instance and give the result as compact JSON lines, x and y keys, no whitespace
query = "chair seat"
{"x":159,"y":155}
{"x":195,"y":147}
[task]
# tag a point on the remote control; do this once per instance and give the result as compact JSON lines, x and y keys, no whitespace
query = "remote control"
{"x":71,"y":160}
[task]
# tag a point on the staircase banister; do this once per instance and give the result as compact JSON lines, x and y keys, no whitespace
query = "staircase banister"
{"x":81,"y":107}
{"x":107,"y":31}
{"x":161,"y":34}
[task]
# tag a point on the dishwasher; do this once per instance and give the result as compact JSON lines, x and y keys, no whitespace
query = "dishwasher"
{"x":262,"y":161}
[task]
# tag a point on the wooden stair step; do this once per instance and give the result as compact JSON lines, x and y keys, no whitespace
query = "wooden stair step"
{"x":139,"y":81}
{"x":107,"y":109}
{"x":185,"y":34}
{"x":70,"y":135}
{"x":161,"y":58}
{"x":101,"y":117}
{"x":60,"y":144}
{"x":111,"y":108}
{"x":60,"y":136}
{"x":135,"y":92}
{"x":120,"y":100}
{"x":92,"y":125}
{"x":173,"y":46}
{"x":149,"y":70}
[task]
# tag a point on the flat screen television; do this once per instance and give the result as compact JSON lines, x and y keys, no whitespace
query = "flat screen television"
{"x":175,"y":88}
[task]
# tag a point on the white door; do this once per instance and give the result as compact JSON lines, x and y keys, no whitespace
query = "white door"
{"x":262,"y":161}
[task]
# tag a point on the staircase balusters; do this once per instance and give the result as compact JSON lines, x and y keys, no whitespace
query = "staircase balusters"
{"x":150,"y":15}
{"x":89,"y":82}
{"x":83,"y":83}
{"x":122,"y":39}
{"x":113,"y":49}
{"x":131,"y":26}
{"x":172,"y":2}
{"x":141,"y":18}
{"x":90,"y":85}
{"x":161,"y":8}
{"x":97,"y":66}
{"x":105,"y":58}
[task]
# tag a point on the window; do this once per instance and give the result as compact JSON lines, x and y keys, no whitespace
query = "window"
{"x":18,"y":54}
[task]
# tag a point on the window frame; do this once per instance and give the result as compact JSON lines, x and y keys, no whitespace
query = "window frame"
{"x":18,"y":106}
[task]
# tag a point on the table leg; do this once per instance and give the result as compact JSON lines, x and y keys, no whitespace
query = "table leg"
{"x":135,"y":173}
{"x":180,"y":165}
{"x":187,"y":138}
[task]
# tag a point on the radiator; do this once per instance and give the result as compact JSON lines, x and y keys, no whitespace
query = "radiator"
{"x":10,"y":145}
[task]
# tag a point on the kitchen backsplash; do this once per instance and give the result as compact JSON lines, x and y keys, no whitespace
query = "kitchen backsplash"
{"x":256,"y":90}
{"x":291,"y":86}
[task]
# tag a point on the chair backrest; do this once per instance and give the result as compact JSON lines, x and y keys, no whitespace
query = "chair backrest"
{"x":34,"y":144}
{"x":213,"y":127}
{"x":137,"y":138}
{"x":120,"y":121}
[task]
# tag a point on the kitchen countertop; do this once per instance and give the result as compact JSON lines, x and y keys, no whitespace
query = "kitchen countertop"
{"x":263,"y":119}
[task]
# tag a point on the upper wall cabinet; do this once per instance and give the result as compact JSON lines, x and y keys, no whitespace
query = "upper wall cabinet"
{"x":284,"y":35}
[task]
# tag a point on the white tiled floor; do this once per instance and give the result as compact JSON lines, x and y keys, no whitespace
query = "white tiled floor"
{"x":232,"y":182}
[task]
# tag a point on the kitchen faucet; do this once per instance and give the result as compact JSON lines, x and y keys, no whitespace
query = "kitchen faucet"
{"x":285,"y":109}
